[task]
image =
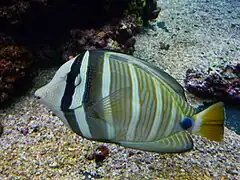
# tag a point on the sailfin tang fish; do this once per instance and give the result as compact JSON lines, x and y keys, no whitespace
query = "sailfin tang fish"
{"x":117,"y":98}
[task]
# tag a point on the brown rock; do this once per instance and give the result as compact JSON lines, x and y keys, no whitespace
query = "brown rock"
{"x":16,"y":69}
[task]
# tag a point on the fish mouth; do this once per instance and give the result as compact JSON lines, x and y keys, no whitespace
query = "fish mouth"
{"x":37,"y":95}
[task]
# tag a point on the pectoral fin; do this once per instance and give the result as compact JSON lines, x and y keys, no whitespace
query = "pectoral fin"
{"x":110,"y":105}
{"x":112,"y":110}
{"x":177,"y":142}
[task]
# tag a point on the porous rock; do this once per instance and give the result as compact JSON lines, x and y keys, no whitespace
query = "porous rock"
{"x":221,"y":81}
{"x":116,"y":36}
{"x":16,"y":69}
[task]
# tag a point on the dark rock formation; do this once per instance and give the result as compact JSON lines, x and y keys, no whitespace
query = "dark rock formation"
{"x":48,"y":28}
{"x":220,"y":82}
{"x":1,"y":129}
{"x":42,"y":26}
{"x":16,"y":69}
{"x":48,"y":32}
{"x":117,"y":35}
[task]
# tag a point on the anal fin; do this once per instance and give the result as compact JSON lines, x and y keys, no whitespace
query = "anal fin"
{"x":177,"y":142}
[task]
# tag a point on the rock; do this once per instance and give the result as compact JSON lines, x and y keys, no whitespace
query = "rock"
{"x":47,"y":34}
{"x":147,"y":10}
{"x":131,"y":153}
{"x":16,"y":71}
{"x":12,"y":12}
{"x":5,"y":40}
{"x":99,"y":154}
{"x":164,"y":46}
{"x":35,"y":128}
{"x":220,"y":81}
{"x":117,"y":36}
{"x":1,"y":129}
{"x":54,"y":165}
{"x":24,"y":130}
{"x":90,"y":175}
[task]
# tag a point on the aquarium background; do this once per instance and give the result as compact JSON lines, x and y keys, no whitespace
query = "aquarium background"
{"x":37,"y":36}
{"x":232,"y":120}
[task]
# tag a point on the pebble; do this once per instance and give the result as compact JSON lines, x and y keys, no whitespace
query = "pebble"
{"x":24,"y":130}
{"x":35,"y":127}
{"x":125,"y":156}
{"x":7,"y":132}
{"x":234,"y":172}
{"x":54,"y":165}
{"x":101,"y":153}
{"x":10,"y":117}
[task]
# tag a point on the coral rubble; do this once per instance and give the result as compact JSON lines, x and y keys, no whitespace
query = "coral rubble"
{"x":16,"y":68}
{"x":221,"y":81}
{"x":118,"y":36}
{"x":144,"y":10}
{"x":99,"y":154}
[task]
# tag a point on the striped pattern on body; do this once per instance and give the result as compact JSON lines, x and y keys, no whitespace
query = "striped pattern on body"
{"x":147,"y":110}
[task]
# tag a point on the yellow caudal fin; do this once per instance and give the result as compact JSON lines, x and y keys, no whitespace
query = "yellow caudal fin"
{"x":210,"y":122}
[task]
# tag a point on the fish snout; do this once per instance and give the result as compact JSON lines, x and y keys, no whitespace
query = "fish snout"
{"x":37,"y":95}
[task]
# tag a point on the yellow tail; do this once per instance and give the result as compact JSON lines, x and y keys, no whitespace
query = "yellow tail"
{"x":210,"y":122}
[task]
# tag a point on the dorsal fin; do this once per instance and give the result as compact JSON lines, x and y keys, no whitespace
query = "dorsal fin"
{"x":168,"y":79}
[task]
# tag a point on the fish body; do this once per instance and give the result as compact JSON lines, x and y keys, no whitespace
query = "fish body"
{"x":114,"y":97}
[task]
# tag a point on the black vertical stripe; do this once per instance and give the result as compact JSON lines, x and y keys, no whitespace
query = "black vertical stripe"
{"x":71,"y":118}
{"x":68,"y":95}
{"x":92,"y":73}
{"x":70,"y":87}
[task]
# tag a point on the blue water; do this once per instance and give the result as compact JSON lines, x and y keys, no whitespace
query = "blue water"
{"x":232,"y":120}
{"x":232,"y":116}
